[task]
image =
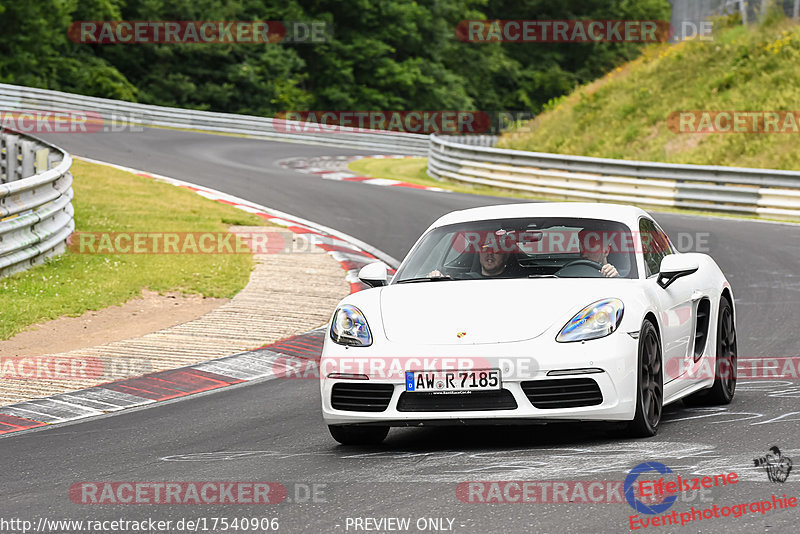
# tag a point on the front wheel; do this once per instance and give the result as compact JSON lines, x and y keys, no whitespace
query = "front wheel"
{"x":358,"y":435}
{"x":649,"y":385}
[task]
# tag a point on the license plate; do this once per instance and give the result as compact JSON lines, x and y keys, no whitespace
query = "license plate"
{"x":447,"y":381}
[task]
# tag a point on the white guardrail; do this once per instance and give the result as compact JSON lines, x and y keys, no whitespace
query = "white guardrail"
{"x":742,"y":191}
{"x":19,"y":98}
{"x":35,"y":202}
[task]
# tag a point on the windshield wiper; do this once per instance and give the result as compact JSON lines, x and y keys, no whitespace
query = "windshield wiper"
{"x":543,"y":276}
{"x":426,"y":279}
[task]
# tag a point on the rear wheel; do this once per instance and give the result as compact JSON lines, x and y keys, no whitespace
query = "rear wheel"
{"x":358,"y":435}
{"x":725,"y":369}
{"x":650,"y":385}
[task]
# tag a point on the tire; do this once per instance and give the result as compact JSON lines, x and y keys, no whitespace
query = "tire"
{"x":649,"y":384}
{"x":724,"y":387}
{"x":358,"y":435}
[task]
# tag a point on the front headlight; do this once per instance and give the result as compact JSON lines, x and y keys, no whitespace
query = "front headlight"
{"x":349,"y":327}
{"x":594,"y":321}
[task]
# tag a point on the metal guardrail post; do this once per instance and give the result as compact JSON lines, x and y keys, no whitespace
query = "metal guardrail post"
{"x":27,"y":153}
{"x":11,"y":158}
{"x":42,"y":160}
{"x":3,"y":160}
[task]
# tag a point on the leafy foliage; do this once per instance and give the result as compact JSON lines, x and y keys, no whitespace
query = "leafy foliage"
{"x":384,"y":55}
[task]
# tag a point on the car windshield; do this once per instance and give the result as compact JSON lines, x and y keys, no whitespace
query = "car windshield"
{"x":551,"y":247}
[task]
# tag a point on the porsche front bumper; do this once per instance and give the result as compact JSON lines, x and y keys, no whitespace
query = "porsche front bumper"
{"x":365,"y":385}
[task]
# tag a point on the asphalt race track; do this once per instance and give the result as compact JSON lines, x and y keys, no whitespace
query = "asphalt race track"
{"x":272,"y":430}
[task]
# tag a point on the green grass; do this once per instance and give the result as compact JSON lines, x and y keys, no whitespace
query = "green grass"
{"x":413,"y":170}
{"x":110,"y":200}
{"x":406,"y":169}
{"x":624,"y":115}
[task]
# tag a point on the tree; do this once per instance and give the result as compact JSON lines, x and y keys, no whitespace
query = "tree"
{"x":383,"y":54}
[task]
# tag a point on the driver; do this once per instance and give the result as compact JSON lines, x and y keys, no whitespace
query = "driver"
{"x":493,"y":256}
{"x":493,"y":262}
{"x":594,"y":248}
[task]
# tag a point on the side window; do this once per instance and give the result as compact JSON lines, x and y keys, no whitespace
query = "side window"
{"x":655,"y":245}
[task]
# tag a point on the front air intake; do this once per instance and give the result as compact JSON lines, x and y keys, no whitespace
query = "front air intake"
{"x":565,"y":393}
{"x":361,"y":397}
{"x":457,"y":402}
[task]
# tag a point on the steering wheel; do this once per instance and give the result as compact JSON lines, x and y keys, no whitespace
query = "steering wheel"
{"x":581,"y":268}
{"x":583,"y":261}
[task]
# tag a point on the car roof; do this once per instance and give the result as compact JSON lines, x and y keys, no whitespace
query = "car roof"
{"x":583,"y":210}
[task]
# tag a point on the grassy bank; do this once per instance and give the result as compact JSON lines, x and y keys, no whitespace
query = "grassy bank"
{"x":624,"y":115}
{"x":110,"y":200}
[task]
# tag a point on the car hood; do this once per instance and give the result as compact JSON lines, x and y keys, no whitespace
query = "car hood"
{"x":485,"y":311}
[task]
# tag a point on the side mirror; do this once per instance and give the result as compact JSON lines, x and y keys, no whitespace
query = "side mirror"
{"x":675,"y":266}
{"x":374,"y":274}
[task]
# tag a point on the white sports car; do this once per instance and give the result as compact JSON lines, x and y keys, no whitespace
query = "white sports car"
{"x":530,"y":313}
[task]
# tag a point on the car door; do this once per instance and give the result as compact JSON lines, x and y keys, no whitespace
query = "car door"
{"x":675,"y":302}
